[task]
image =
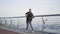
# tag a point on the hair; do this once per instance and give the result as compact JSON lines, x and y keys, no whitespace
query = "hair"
{"x":30,"y":10}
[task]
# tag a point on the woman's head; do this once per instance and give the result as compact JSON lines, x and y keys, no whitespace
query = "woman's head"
{"x":30,"y":10}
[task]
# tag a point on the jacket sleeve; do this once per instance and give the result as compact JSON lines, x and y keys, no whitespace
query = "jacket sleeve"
{"x":26,"y":14}
{"x":32,"y":15}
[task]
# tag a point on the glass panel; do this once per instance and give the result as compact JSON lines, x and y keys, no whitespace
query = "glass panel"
{"x":52,"y":24}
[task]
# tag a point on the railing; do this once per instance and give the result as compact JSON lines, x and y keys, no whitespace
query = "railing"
{"x":20,"y":21}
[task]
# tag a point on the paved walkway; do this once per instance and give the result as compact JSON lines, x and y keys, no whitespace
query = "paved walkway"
{"x":7,"y":32}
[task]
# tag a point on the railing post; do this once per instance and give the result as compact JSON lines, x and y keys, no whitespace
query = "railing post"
{"x":1,"y":21}
{"x":5,"y":22}
{"x":18,"y":24}
{"x":43,"y":24}
{"x":10,"y":22}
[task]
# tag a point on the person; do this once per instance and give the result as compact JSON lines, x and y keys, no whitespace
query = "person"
{"x":29,"y":17}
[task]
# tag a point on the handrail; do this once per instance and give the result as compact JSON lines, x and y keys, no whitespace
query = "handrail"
{"x":47,"y":15}
{"x":34,"y":16}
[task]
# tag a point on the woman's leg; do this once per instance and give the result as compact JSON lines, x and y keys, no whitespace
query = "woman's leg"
{"x":30,"y":25}
{"x":26,"y":25}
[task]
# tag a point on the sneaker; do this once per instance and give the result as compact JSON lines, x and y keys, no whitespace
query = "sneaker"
{"x":26,"y":31}
{"x":32,"y":31}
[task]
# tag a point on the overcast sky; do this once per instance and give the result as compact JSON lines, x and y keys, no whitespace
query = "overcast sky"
{"x":20,"y":7}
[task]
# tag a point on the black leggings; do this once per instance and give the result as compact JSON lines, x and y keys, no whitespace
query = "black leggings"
{"x":27,"y":23}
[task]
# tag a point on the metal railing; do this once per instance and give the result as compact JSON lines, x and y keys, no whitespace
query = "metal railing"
{"x":20,"y":18}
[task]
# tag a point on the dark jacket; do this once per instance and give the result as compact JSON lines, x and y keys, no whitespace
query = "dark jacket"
{"x":29,"y":16}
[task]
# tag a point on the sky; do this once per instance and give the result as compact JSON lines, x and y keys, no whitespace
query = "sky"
{"x":13,"y":8}
{"x":20,"y":7}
